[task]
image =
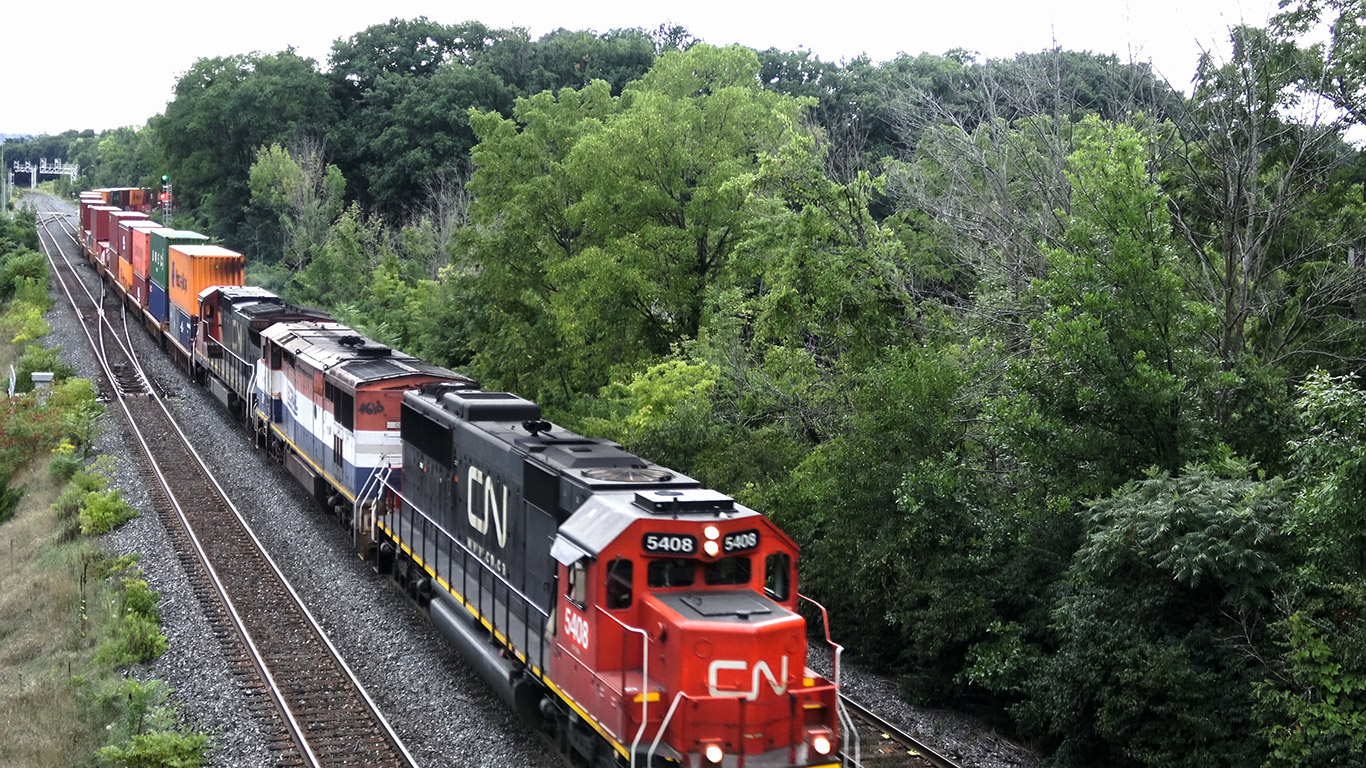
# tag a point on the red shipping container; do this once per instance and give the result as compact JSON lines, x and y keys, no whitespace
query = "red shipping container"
{"x":142,"y":249}
{"x":127,"y":233}
{"x":116,"y":219}
{"x":196,"y":267}
{"x":140,"y":290}
{"x":100,"y":214}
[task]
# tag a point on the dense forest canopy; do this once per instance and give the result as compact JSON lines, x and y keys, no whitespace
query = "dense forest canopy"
{"x":1051,"y":369}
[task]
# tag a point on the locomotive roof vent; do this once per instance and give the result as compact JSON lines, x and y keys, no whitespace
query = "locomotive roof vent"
{"x":362,"y":346}
{"x":688,"y":500}
{"x":628,"y":475}
{"x":490,"y":406}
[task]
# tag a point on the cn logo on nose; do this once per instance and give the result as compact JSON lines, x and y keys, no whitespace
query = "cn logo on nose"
{"x":759,"y":670}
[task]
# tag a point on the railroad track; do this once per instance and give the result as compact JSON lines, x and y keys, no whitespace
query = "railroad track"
{"x":309,"y":702}
{"x":883,"y":745}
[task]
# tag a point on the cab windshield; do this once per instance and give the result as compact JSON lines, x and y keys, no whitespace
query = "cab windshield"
{"x":685,"y":572}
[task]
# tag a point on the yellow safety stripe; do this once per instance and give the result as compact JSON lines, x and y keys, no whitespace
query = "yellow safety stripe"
{"x":332,"y":480}
{"x":539,"y":673}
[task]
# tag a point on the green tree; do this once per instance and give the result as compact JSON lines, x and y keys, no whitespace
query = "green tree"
{"x":224,"y":110}
{"x":402,"y":123}
{"x":1159,"y":612}
{"x":1340,"y":72}
{"x":1264,"y":211}
{"x":1112,"y":380}
{"x":303,"y":197}
{"x":602,"y":222}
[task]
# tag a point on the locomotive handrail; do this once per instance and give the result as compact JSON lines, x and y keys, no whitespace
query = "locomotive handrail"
{"x":644,"y":677}
{"x":663,"y":725}
{"x":466,"y":550}
{"x":846,"y":722}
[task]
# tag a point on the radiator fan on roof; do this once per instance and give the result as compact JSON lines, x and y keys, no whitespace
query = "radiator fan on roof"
{"x":628,"y":475}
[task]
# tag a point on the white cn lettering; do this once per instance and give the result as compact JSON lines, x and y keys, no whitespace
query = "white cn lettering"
{"x":714,"y":670}
{"x":499,"y":512}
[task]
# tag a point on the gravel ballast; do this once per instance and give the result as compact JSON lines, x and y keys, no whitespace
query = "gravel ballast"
{"x":444,"y":713}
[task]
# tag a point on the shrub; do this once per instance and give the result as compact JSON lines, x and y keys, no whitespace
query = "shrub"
{"x":23,"y":322}
{"x":103,"y":512}
{"x":130,"y":638}
{"x":9,"y":497}
{"x":139,"y":599}
{"x":158,"y":749}
{"x":36,"y":358}
{"x":93,"y":479}
{"x":143,"y":731}
{"x":20,"y":266}
{"x":64,"y":462}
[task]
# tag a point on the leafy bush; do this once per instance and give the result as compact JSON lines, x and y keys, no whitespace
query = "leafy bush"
{"x":18,"y":267}
{"x":9,"y":497}
{"x":83,"y":483}
{"x":33,"y":290}
{"x":64,"y":462}
{"x":36,"y":358}
{"x":158,"y":749}
{"x":23,"y":322}
{"x":139,"y":599}
{"x":143,"y":730}
{"x":134,"y":635}
{"x":74,"y":402}
{"x":103,"y":512}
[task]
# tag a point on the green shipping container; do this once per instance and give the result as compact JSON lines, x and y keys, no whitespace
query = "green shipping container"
{"x":161,"y":242}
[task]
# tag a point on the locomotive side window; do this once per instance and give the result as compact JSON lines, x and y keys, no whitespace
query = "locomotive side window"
{"x":727,"y":570}
{"x":578,"y":584}
{"x":672,"y":572}
{"x":778,"y":576}
{"x":619,"y":576}
{"x":345,"y":410}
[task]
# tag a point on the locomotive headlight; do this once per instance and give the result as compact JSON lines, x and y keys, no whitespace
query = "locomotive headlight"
{"x":820,"y":741}
{"x":712,"y":752}
{"x":712,"y":532}
{"x":711,"y":548}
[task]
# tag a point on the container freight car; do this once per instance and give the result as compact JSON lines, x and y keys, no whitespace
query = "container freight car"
{"x":191,"y":269}
{"x":98,"y":239}
{"x":142,"y":262}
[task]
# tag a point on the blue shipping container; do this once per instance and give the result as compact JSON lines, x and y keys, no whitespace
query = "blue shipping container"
{"x":159,"y":302}
{"x":182,"y":330}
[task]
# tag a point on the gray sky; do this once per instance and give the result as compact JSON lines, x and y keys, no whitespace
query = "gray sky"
{"x":51,"y":54}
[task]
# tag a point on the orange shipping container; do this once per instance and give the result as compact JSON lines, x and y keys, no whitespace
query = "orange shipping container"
{"x":126,"y":275}
{"x":196,"y":267}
